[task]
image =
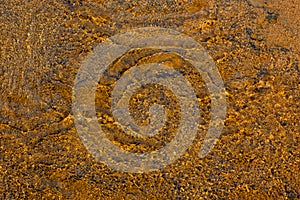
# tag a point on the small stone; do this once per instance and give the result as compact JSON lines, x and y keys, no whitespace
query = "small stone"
{"x":272,"y":17}
{"x":256,"y":3}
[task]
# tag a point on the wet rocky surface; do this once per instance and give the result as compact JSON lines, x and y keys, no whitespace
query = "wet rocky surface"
{"x":255,"y":45}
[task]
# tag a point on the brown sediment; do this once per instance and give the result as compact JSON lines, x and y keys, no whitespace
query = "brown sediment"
{"x":255,"y":45}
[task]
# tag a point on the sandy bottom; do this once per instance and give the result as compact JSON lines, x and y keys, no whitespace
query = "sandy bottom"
{"x":255,"y":45}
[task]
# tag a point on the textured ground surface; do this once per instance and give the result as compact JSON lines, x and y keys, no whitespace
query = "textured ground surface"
{"x":255,"y":45}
